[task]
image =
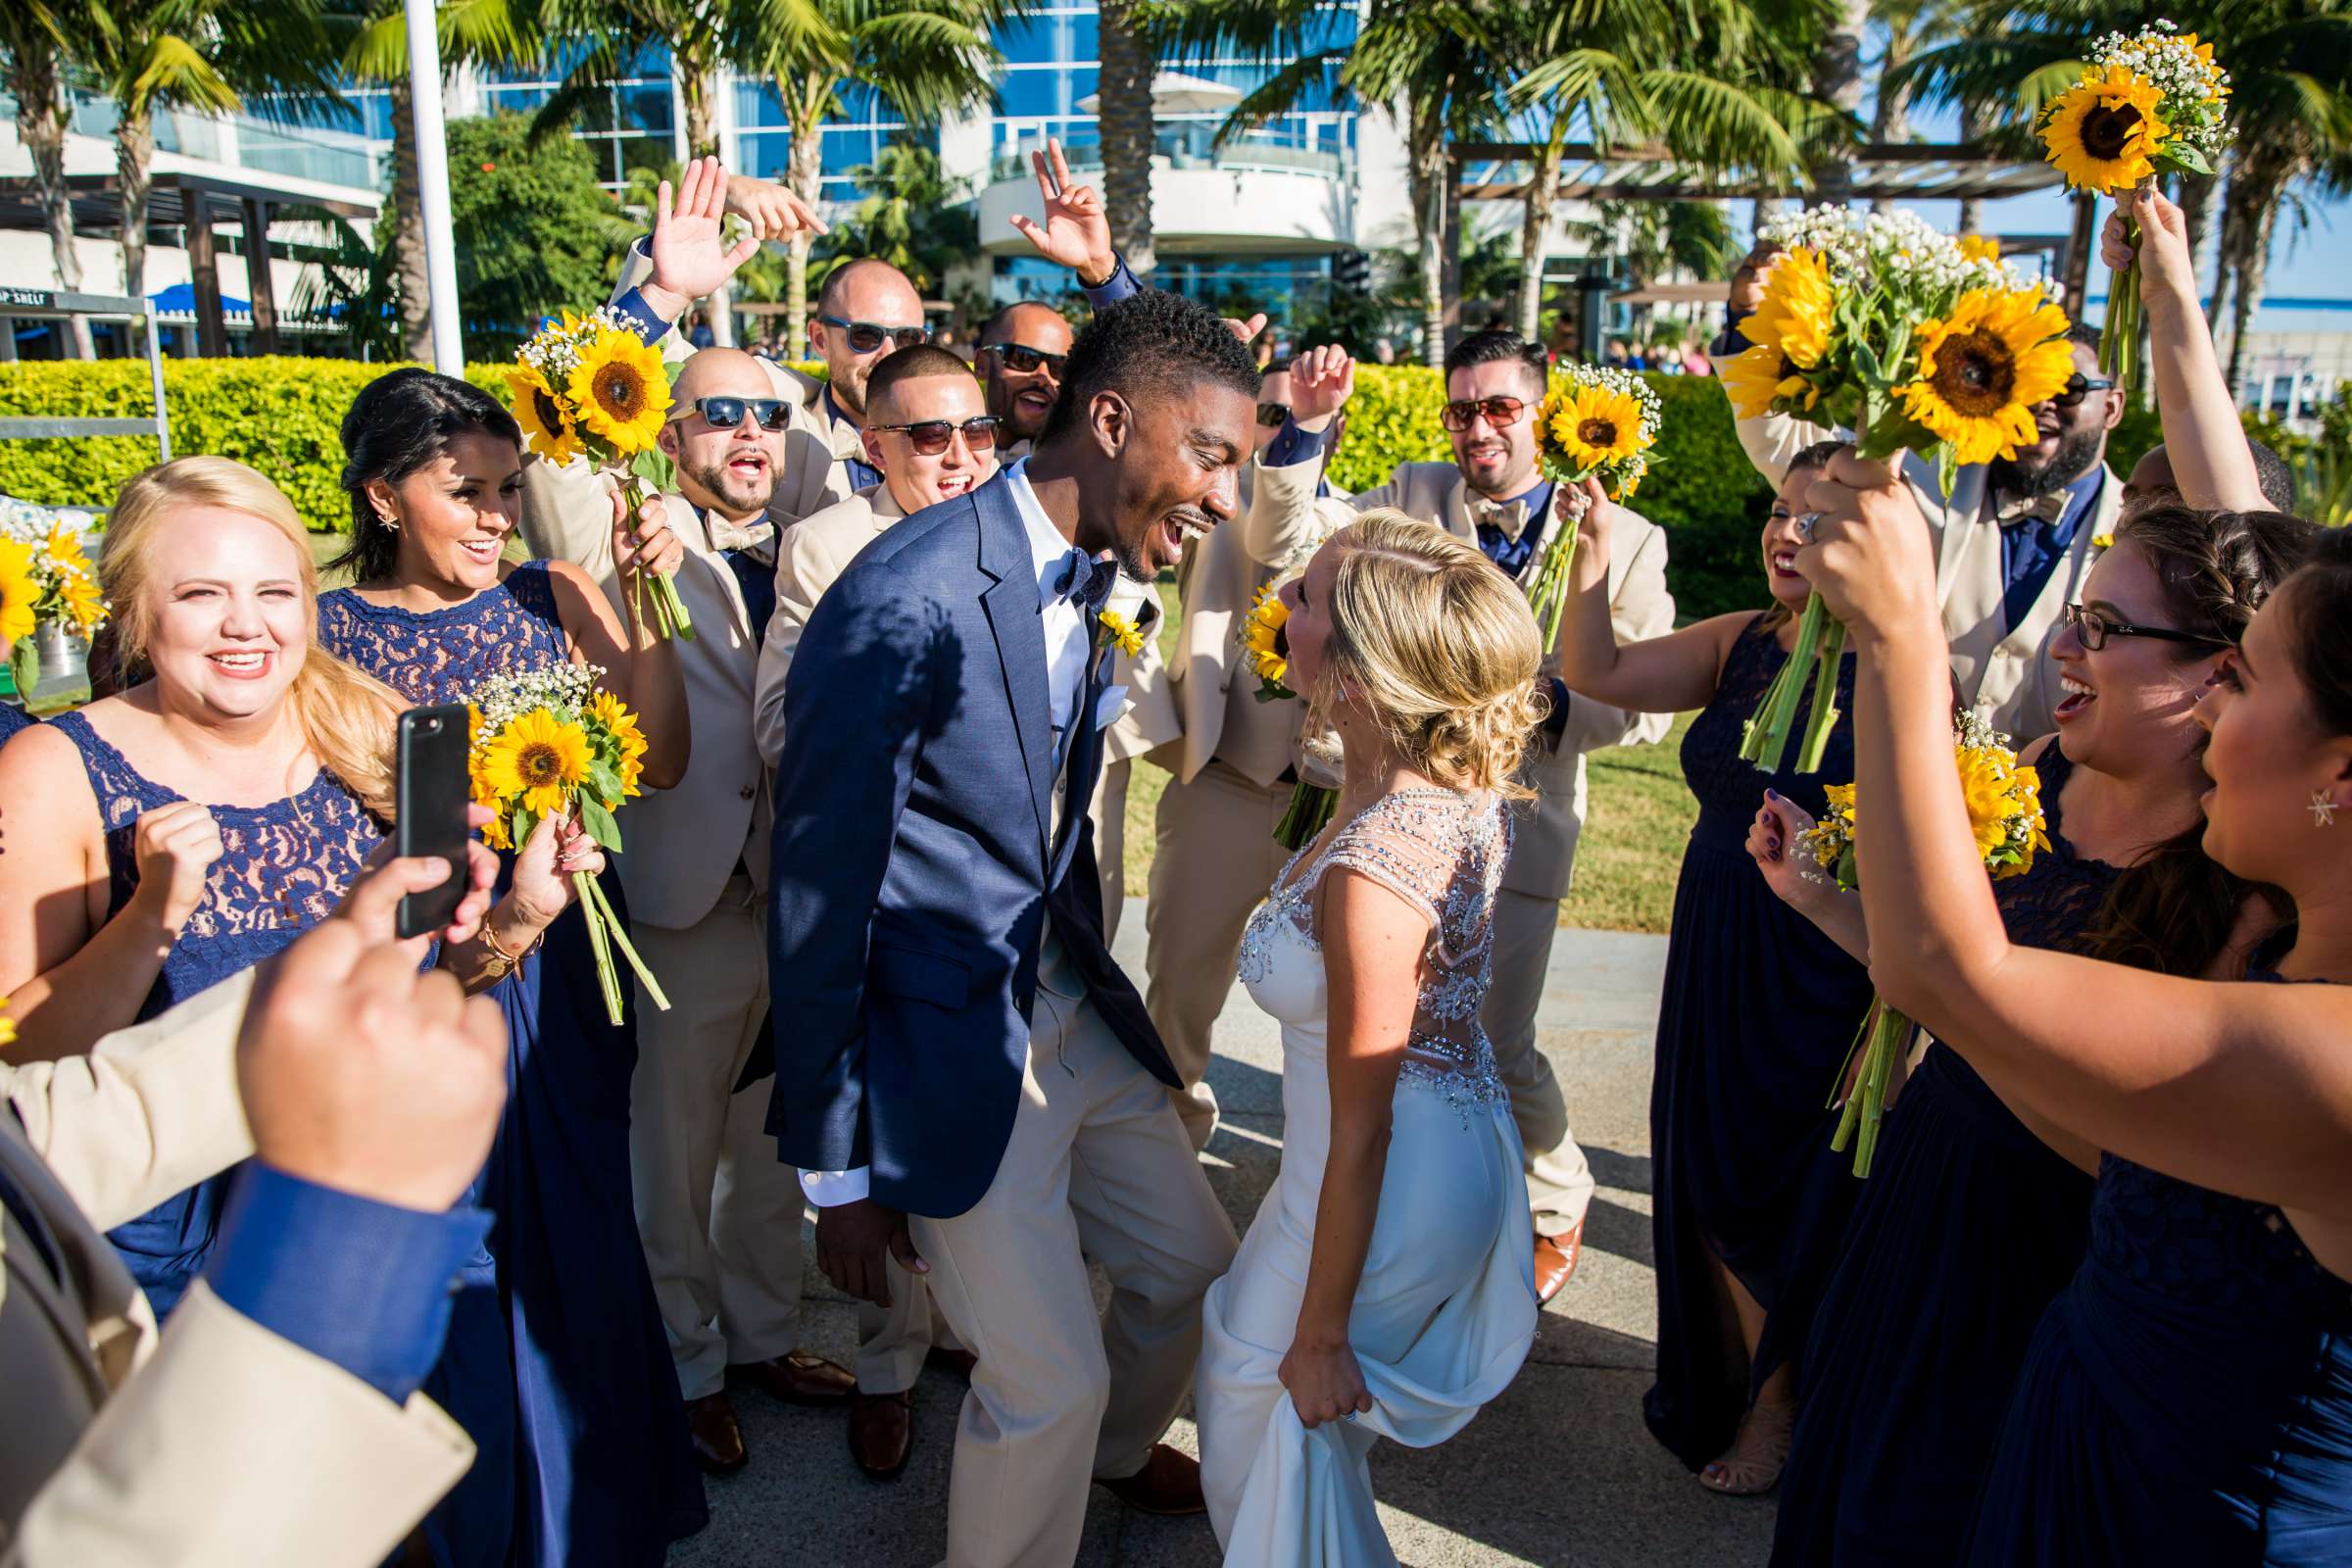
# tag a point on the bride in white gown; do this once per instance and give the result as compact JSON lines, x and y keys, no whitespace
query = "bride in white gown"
{"x":1387,"y":1286}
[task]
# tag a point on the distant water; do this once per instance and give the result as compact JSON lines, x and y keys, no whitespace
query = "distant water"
{"x":2277,"y":313}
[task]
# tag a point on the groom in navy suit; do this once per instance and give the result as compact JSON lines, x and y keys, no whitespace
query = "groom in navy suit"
{"x":969,"y":1082}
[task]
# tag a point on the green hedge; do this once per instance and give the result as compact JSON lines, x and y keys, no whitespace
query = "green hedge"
{"x":282,"y":416}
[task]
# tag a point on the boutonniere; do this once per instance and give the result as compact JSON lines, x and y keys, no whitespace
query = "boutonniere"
{"x":2102,"y":541}
{"x":1125,"y":635}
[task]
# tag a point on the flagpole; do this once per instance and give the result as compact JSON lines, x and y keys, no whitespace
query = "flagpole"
{"x":432,"y":187}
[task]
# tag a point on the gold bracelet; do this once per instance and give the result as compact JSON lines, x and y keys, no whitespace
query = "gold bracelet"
{"x":503,"y":963}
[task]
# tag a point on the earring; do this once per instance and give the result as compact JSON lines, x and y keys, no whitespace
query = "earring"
{"x":2323,"y":809}
{"x":386,"y":518}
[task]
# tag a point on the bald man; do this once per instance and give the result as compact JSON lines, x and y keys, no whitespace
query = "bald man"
{"x":1022,"y":348}
{"x":719,"y":1218}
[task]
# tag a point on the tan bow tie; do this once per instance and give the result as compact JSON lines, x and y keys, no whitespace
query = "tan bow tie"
{"x":2047,"y":507}
{"x":725,"y":535}
{"x":1508,"y":515}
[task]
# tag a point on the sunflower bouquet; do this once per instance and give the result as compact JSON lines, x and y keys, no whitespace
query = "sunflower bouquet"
{"x":1267,"y":654}
{"x":45,"y":579}
{"x":2004,"y":813}
{"x":1595,"y":421}
{"x":2147,"y":104}
{"x":591,"y":387}
{"x":1915,"y":341}
{"x":546,"y":743}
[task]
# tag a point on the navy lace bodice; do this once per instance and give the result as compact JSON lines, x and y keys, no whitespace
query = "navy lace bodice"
{"x":1729,"y":789}
{"x":2055,"y":902}
{"x":283,"y":867}
{"x":438,"y":655}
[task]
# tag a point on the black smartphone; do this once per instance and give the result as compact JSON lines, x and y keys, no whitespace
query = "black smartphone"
{"x":432,"y":796}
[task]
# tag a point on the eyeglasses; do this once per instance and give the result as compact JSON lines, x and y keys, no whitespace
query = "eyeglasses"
{"x":726,"y":413}
{"x":1271,"y":415}
{"x":2078,"y":387}
{"x":2095,"y":629}
{"x":1498,"y":411}
{"x":1023,"y":360}
{"x":867,"y":336}
{"x":930,"y":437}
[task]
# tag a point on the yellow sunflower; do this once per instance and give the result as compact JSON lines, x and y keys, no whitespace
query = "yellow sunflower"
{"x":1797,"y":308}
{"x":2105,"y":130}
{"x":1760,"y":375}
{"x":1590,"y":426}
{"x":20,"y":591}
{"x":621,"y":391}
{"x":537,"y":760}
{"x":1261,"y":636}
{"x":613,"y":714}
{"x":1981,"y":247}
{"x":1124,"y":634}
{"x":547,"y":428}
{"x":1982,"y":369}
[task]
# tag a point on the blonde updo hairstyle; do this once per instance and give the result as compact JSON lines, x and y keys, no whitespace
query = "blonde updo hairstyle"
{"x":1437,"y":646}
{"x":348,"y":717}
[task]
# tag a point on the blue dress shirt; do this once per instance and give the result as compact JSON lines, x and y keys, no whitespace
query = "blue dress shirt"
{"x":2032,"y":546}
{"x":365,"y":1284}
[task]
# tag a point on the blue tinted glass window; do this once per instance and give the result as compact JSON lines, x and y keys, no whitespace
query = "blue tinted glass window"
{"x":1048,"y":39}
{"x":767,"y":155}
{"x":646,"y":106}
{"x":1044,"y":92}
{"x":521,"y":100}
{"x":756,"y":105}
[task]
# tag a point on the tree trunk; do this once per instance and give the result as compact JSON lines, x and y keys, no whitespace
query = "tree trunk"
{"x":1542,"y":196}
{"x":1127,"y":132}
{"x":806,"y":172}
{"x":1425,"y":138}
{"x":698,"y":81}
{"x":411,"y":279}
{"x":1973,"y":122}
{"x":2251,"y":264}
{"x":2196,"y":206}
{"x":42,"y":119}
{"x":134,"y":158}
{"x":1890,"y":120}
{"x":1837,"y":82}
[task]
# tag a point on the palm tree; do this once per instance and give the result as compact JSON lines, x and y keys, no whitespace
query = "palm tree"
{"x":912,"y":216}
{"x":482,"y":32}
{"x":1910,"y":26}
{"x":926,"y":58}
{"x":1127,"y":61}
{"x":39,"y":35}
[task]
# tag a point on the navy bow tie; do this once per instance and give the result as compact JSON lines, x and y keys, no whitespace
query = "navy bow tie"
{"x":1085,"y":581}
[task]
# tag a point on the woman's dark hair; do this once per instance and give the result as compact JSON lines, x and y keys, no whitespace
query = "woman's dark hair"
{"x":1816,"y":456}
{"x":2174,"y":910}
{"x":396,"y":424}
{"x":2322,"y":608}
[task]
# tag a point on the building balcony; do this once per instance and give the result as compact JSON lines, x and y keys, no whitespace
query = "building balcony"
{"x":1269,"y":196}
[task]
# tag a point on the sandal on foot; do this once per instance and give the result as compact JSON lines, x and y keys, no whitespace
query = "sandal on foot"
{"x":1751,"y":1465}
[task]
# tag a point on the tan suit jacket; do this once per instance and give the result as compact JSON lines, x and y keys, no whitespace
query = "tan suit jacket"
{"x":811,"y":556}
{"x":1543,"y":851}
{"x":219,"y":1442}
{"x":813,"y":475}
{"x":684,"y":842}
{"x":2005,"y":673}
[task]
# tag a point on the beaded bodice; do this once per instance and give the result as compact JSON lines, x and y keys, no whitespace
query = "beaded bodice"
{"x":1729,"y":788}
{"x":283,"y":868}
{"x":438,"y":655}
{"x":1443,"y":852}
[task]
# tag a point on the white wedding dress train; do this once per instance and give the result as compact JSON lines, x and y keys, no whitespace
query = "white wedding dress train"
{"x":1445,"y":1309}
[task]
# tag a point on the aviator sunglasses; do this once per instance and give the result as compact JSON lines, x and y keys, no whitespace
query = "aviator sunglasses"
{"x":930,"y":437}
{"x":1498,"y":411}
{"x":1023,"y":360}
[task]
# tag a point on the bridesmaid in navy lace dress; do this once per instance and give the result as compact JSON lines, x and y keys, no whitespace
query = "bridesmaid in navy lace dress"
{"x":2188,"y":1397}
{"x":1971,"y":1223}
{"x":434,"y":471}
{"x":1759,"y":1009}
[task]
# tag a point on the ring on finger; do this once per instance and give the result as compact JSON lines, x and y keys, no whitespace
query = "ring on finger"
{"x":1804,"y":525}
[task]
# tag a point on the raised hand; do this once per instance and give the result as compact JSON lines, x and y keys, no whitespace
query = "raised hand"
{"x":773,"y":209}
{"x":690,"y":258}
{"x":1322,"y":380}
{"x":650,"y":546}
{"x":2167,"y":271}
{"x":1871,"y":559}
{"x":1076,"y":232}
{"x":362,"y":1073}
{"x":176,"y":846}
{"x":1246,"y":328}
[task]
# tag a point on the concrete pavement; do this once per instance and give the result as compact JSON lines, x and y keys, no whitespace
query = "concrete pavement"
{"x":1558,"y":1471}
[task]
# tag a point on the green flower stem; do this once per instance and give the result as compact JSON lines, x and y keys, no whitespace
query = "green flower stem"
{"x":1824,"y":715}
{"x":619,"y":935}
{"x":1766,"y":744}
{"x":584,"y":886}
{"x":669,"y":609}
{"x":1866,"y":1108}
{"x":1307,"y":814}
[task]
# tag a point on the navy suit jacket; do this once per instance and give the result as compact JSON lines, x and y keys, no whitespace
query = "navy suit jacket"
{"x":913,"y":872}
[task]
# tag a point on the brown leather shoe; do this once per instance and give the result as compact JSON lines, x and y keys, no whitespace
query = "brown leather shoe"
{"x":1169,"y":1482}
{"x":1556,"y":1258}
{"x":882,"y":1433}
{"x":798,"y":1379}
{"x":717,"y":1441}
{"x":959,"y":1362}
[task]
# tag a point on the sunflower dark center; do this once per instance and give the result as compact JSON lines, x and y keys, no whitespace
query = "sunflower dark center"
{"x":619,"y":391}
{"x":1975,"y":373}
{"x":2107,"y":133}
{"x":551,"y":417}
{"x":539,"y":765}
{"x":1598,"y":432}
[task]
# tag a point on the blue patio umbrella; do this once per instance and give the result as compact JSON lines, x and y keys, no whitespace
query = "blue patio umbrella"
{"x":180,"y":300}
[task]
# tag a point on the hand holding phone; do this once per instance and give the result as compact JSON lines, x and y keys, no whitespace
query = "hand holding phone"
{"x":431,"y":797}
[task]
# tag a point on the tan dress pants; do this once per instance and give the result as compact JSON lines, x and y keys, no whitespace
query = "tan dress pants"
{"x":1215,"y":861}
{"x":1559,"y":1183}
{"x":1098,"y":1166}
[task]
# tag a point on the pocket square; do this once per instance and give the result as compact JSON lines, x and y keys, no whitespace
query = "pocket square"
{"x":1110,"y":705}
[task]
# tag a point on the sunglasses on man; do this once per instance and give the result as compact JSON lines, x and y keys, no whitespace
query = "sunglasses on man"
{"x":1023,"y":360}
{"x":1498,"y":411}
{"x":726,"y":413}
{"x":2078,"y":387}
{"x":1271,"y":415}
{"x":867,"y":336}
{"x":930,"y":437}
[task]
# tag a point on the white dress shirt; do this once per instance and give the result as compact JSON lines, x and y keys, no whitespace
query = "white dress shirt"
{"x":1067,"y":645}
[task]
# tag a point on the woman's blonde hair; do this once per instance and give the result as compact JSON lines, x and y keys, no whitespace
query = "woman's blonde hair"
{"x":347,"y":716}
{"x":1438,"y":648}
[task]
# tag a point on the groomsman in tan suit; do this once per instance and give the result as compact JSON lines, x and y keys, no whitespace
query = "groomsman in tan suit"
{"x":2013,"y":539}
{"x":719,"y":1218}
{"x":1493,"y":495}
{"x":277,"y":1422}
